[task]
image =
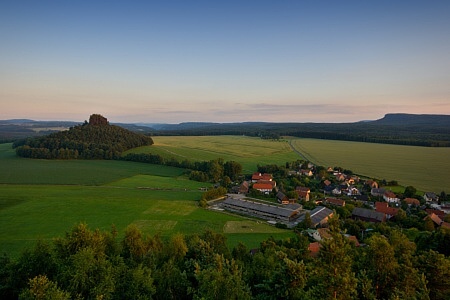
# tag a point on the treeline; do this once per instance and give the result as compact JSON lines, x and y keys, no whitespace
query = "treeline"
{"x":203,"y":171}
{"x":86,"y":264}
{"x":83,"y":141}
{"x":427,"y":135}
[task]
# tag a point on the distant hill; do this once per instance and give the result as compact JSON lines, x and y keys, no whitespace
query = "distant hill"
{"x":404,"y":129}
{"x":94,"y":140}
{"x":398,"y":128}
{"x":412,"y":120}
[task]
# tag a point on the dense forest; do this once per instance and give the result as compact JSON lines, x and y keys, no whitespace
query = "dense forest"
{"x":94,"y":264}
{"x":94,"y":140}
{"x":402,"y":129}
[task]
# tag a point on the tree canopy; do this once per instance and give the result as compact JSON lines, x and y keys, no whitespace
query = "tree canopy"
{"x":94,"y":140}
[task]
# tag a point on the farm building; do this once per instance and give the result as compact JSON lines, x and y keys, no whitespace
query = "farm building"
{"x":368,"y":215}
{"x":334,"y":201}
{"x":383,"y":207}
{"x":320,"y":215}
{"x":284,"y":214}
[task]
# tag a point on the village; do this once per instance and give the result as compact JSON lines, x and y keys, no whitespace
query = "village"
{"x":345,"y":194}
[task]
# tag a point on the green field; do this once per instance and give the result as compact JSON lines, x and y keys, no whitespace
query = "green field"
{"x":425,"y":168}
{"x":248,"y":151}
{"x":45,"y":198}
{"x":422,"y":167}
{"x":42,"y":199}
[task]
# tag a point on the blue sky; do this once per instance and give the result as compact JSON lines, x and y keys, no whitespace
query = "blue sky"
{"x":230,"y":61}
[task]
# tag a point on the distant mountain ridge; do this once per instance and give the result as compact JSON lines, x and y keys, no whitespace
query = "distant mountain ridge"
{"x":413,"y":119}
{"x":393,"y":128}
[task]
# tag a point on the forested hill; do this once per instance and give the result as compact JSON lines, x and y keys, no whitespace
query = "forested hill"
{"x":403,"y":129}
{"x":94,"y":140}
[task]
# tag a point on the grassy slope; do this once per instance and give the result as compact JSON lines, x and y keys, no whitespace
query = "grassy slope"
{"x":246,"y":150}
{"x":44,"y":199}
{"x":422,"y":167}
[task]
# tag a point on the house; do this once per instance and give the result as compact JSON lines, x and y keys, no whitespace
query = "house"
{"x":328,"y":189}
{"x":435,"y":218}
{"x":377,"y":192}
{"x":258,"y":176}
{"x":314,"y":249}
{"x":337,"y":191}
{"x":303,"y":192}
{"x":390,"y":197}
{"x":371,"y":183}
{"x":430,"y":197}
{"x":314,"y":234}
{"x":265,"y":188}
{"x":340,"y":177}
{"x":411,"y":202}
{"x":335,"y":202}
{"x":383,"y":207}
{"x":327,"y":182}
{"x":324,"y":233}
{"x":282,"y":198}
{"x":437,"y":212}
{"x":353,"y":191}
{"x":243,"y":188}
{"x":368,"y":215}
{"x":306,"y":172}
{"x":445,"y":208}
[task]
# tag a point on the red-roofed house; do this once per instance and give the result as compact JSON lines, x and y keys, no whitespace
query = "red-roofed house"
{"x":390,"y":197}
{"x":411,"y":201}
{"x":258,"y":176}
{"x":303,"y":192}
{"x":436,"y":219}
{"x":263,"y":187}
{"x":439,"y":213}
{"x":314,"y":249}
{"x":384,"y":208}
{"x":372,"y":184}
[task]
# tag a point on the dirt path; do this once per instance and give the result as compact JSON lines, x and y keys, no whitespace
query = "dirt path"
{"x":298,"y":152}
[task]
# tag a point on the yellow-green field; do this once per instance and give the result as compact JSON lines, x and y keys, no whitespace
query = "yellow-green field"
{"x":427,"y":169}
{"x":249,"y":151}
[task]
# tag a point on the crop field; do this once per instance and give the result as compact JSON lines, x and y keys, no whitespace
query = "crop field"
{"x":249,"y":151}
{"x":42,"y":199}
{"x":425,"y":168}
{"x":422,"y":167}
{"x":45,"y":198}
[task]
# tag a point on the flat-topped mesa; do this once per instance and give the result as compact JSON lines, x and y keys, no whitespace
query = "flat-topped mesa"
{"x":98,"y":120}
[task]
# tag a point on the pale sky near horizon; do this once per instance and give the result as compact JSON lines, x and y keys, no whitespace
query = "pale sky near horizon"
{"x":223,"y":61}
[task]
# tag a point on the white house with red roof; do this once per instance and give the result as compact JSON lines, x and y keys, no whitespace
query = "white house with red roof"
{"x":390,"y":197}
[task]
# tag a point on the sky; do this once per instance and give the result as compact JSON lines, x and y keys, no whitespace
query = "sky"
{"x":223,"y":61}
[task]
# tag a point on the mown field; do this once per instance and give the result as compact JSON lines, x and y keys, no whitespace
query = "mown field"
{"x":422,"y":167}
{"x":246,"y":150}
{"x":42,"y":199}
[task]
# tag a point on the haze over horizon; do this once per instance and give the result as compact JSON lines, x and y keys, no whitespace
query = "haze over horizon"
{"x":175,"y":61}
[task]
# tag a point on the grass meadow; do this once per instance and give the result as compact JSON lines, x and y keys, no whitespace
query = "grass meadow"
{"x":249,"y":151}
{"x":42,"y":199}
{"x":46,"y":198}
